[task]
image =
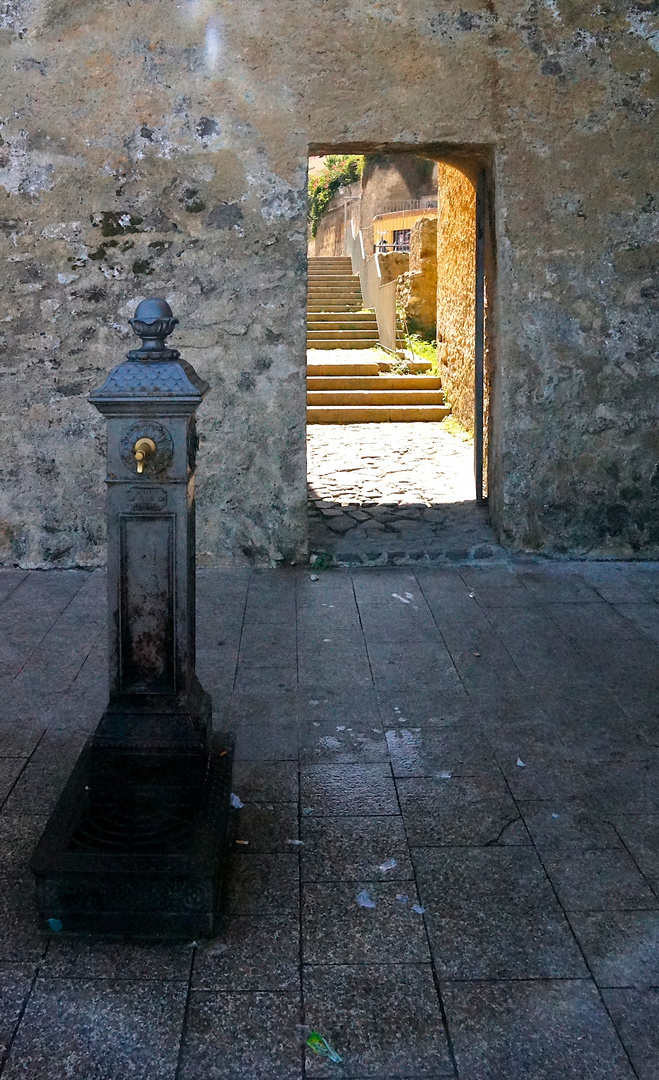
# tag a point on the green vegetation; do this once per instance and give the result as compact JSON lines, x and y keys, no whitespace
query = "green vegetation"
{"x":456,"y":428}
{"x":339,"y":169}
{"x":424,"y":350}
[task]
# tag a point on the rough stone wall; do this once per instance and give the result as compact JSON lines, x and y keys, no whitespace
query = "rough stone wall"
{"x":417,"y":289}
{"x":330,"y":233}
{"x":393,"y":264}
{"x":456,"y":288}
{"x":330,"y":237}
{"x":393,"y":178}
{"x":155,"y":148}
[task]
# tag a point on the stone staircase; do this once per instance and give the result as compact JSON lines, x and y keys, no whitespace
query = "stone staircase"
{"x":346,"y":392}
{"x":334,"y":316}
{"x":360,"y":394}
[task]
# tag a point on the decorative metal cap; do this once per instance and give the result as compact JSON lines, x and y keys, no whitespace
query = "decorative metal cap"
{"x":154,"y":380}
{"x":153,"y":322}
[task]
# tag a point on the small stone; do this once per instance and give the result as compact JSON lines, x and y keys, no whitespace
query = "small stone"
{"x":340,"y":525}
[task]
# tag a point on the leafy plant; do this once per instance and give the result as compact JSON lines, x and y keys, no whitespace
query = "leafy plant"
{"x":425,"y":350}
{"x":339,"y":169}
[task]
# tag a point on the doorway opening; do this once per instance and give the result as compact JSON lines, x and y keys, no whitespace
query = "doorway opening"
{"x":401,"y":274}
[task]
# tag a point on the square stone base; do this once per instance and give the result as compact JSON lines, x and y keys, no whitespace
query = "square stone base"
{"x":137,"y":846}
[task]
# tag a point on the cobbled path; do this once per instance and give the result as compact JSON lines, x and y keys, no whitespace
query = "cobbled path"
{"x":401,"y":493}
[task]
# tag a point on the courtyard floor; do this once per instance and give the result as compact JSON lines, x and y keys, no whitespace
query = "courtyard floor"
{"x":471,"y":751}
{"x":394,"y":494}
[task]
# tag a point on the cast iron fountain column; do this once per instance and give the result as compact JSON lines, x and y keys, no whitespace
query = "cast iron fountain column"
{"x":136,"y":841}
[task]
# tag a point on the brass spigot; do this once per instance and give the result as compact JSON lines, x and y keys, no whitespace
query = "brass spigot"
{"x":143,"y":447}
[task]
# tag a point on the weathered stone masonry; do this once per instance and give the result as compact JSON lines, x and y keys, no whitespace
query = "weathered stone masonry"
{"x":153,"y":148}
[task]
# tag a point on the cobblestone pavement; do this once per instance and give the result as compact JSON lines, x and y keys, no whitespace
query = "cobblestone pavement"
{"x":474,"y":751}
{"x":394,"y":493}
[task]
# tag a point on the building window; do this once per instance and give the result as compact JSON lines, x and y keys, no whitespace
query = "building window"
{"x":402,"y":239}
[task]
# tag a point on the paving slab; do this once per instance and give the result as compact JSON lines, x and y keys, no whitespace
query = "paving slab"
{"x":255,"y":953}
{"x":384,"y":1020}
{"x":636,"y":1016}
{"x":621,"y":947}
{"x":348,"y":789}
{"x":241,"y":1036}
{"x":362,"y":922}
{"x":450,"y":809}
{"x":547,"y":1030}
{"x":355,"y":849}
{"x":598,"y":880}
{"x":350,"y":744}
{"x":491,"y":914}
{"x":380,"y":717}
{"x":99,"y":1029}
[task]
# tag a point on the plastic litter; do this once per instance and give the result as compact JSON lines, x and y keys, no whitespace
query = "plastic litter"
{"x":295,"y":843}
{"x":314,"y":577}
{"x":243,"y":842}
{"x":402,"y":897}
{"x":340,"y":727}
{"x":521,"y":763}
{"x":401,"y":598}
{"x":320,"y":1046}
{"x":554,"y":815}
{"x":56,"y":924}
{"x":476,"y":654}
{"x":388,"y":864}
{"x":364,"y":899}
{"x":306,"y":810}
{"x":409,"y":595}
{"x":418,"y":909}
{"x":444,"y":775}
{"x":236,"y":802}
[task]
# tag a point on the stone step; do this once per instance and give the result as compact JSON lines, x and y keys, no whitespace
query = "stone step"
{"x":330,"y":307}
{"x":375,"y":397}
{"x":342,"y":343}
{"x":335,"y":293}
{"x":329,"y":260}
{"x":334,"y":283}
{"x":325,"y":370}
{"x":331,"y":317}
{"x":323,"y":275}
{"x":375,"y":414}
{"x":334,"y":333}
{"x":378,"y":382}
{"x":343,"y":325}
